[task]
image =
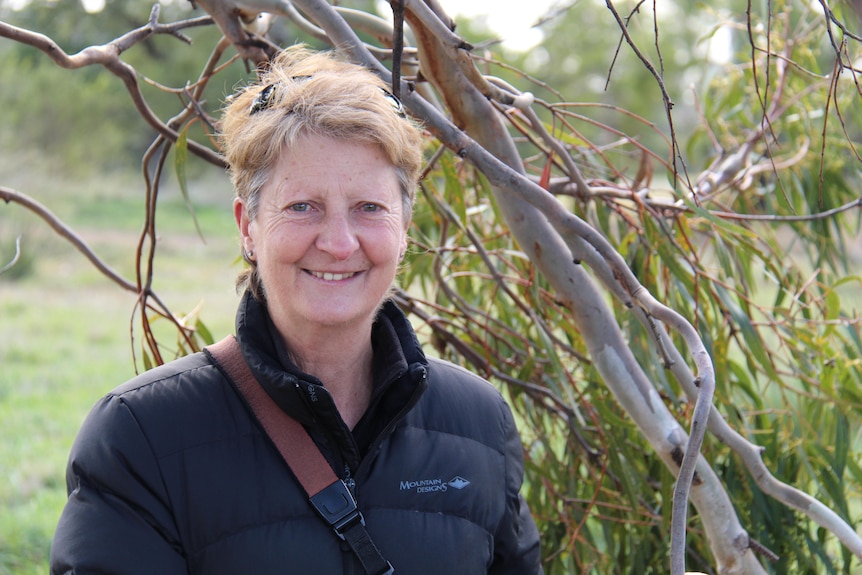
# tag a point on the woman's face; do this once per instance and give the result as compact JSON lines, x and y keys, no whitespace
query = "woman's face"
{"x":328,"y":235}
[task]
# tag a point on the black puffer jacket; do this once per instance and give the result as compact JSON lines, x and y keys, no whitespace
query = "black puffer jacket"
{"x":172,"y":474}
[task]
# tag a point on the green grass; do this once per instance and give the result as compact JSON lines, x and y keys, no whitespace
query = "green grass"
{"x":65,"y":328}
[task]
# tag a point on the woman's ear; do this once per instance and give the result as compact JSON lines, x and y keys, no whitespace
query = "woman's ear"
{"x":405,"y":242}
{"x":240,"y":214}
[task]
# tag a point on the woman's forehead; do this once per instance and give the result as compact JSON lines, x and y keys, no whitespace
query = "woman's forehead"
{"x":324,"y":165}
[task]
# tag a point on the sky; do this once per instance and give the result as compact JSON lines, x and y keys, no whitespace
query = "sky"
{"x":511,"y":20}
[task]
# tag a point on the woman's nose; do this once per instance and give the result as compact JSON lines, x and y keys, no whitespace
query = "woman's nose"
{"x":337,"y":237}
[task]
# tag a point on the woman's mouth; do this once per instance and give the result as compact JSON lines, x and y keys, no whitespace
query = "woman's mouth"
{"x":328,"y":276}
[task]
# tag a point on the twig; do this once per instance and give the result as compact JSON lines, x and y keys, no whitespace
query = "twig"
{"x":397,"y":45}
{"x":857,"y":203}
{"x":620,"y":44}
{"x":108,"y":55}
{"x":668,"y":103}
{"x":15,"y":257}
{"x":9,"y":195}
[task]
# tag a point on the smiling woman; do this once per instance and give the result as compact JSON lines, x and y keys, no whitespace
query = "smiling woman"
{"x":172,"y":473}
{"x":327,"y":240}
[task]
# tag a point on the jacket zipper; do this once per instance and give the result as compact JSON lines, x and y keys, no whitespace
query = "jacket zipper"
{"x":349,"y":481}
{"x":394,"y":422}
{"x":350,"y":566}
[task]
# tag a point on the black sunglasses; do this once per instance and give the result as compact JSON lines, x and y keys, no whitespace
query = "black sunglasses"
{"x":264,"y":99}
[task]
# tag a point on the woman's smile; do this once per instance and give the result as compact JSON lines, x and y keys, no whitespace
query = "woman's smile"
{"x":329,"y":276}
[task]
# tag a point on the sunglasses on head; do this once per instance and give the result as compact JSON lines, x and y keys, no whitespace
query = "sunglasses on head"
{"x":264,"y":99}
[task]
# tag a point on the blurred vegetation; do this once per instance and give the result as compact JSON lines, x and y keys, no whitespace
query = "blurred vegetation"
{"x":64,"y":329}
{"x":776,"y":301}
{"x":59,"y":112}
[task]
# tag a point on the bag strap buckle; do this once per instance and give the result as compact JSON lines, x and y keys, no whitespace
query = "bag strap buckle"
{"x":336,"y":505}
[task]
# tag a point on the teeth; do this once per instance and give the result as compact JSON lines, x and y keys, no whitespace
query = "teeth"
{"x":326,"y":276}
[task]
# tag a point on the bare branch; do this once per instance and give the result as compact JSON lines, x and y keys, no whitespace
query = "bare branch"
{"x":15,"y":258}
{"x":105,"y":53}
{"x":108,"y":55}
{"x":668,"y":102}
{"x":9,"y":195}
{"x":751,"y":457}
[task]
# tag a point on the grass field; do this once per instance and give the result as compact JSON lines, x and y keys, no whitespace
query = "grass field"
{"x":65,"y":328}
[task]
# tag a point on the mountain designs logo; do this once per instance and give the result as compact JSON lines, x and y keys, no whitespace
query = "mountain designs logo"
{"x":458,"y":482}
{"x":434,"y":485}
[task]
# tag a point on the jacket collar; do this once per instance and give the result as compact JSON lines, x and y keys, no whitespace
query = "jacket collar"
{"x":398,"y":357}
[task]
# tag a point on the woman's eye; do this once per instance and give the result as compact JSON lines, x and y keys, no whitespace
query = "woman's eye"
{"x":299,"y":207}
{"x":370,"y":208}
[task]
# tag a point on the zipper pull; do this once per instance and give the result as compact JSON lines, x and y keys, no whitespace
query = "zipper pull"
{"x":349,"y":481}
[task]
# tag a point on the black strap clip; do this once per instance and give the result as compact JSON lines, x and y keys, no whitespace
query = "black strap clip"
{"x":336,"y":505}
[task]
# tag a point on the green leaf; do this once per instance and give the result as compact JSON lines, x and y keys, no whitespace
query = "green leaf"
{"x":752,"y":339}
{"x":204,"y":332}
{"x":454,"y":190}
{"x":180,"y":160}
{"x":148,"y":362}
{"x":742,"y":381}
{"x":726,"y":226}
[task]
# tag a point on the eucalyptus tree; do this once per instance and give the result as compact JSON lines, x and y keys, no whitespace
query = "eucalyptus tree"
{"x":660,"y":281}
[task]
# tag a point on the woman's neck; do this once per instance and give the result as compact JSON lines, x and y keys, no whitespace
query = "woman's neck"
{"x":342,"y":360}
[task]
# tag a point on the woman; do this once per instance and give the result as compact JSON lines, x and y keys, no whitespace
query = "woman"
{"x":172,"y":473}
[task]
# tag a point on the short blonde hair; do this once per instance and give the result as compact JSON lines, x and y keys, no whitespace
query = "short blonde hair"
{"x":304,"y":93}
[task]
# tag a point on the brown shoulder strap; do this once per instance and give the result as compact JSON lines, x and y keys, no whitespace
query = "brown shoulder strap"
{"x":289,"y":436}
{"x":327,"y":493}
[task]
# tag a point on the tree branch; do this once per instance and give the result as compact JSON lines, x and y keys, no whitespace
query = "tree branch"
{"x":108,"y":55}
{"x":9,"y":195}
{"x":751,"y":457}
{"x":15,"y":257}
